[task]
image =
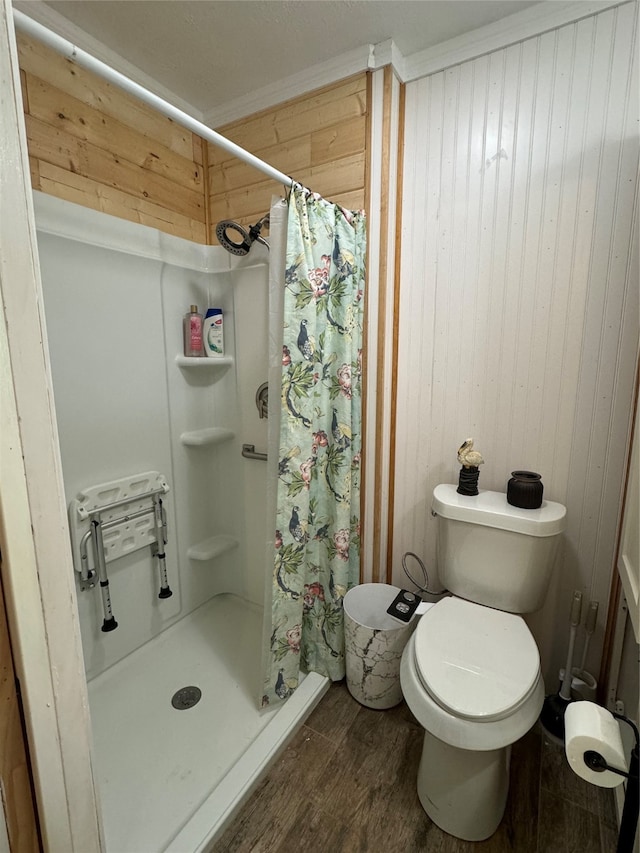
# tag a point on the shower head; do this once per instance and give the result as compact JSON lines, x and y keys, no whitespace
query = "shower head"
{"x":246,"y":237}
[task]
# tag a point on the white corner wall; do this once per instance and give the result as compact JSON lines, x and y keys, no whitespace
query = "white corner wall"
{"x":518,"y":320}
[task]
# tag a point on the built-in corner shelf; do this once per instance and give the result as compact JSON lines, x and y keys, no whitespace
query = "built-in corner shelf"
{"x":213,"y":547}
{"x":206,"y":437}
{"x":203,"y":363}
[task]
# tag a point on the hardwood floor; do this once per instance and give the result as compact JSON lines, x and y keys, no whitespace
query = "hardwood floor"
{"x":347,"y":783}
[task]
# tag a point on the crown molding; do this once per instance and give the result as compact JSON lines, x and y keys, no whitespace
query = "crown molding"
{"x":54,"y":21}
{"x":531,"y":22}
{"x":314,"y":77}
{"x":387,"y":53}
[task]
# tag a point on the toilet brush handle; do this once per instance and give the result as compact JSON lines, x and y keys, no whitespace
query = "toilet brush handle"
{"x":565,"y":689}
{"x":589,"y":627}
{"x":576,"y":612}
{"x":576,"y":608}
{"x":592,"y":616}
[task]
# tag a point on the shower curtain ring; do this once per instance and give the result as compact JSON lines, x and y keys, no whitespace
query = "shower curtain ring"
{"x":288,"y":190}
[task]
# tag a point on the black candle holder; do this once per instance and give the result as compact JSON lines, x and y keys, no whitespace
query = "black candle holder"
{"x":468,"y":480}
{"x":525,"y":490}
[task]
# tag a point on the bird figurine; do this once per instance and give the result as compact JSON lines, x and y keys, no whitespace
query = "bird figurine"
{"x":467,"y":456}
{"x":470,"y":460}
{"x":305,"y":343}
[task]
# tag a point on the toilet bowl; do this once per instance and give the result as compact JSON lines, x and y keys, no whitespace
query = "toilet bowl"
{"x":471,"y":671}
{"x":471,"y":677}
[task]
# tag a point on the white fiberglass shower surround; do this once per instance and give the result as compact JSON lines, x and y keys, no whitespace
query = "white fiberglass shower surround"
{"x":128,"y":403}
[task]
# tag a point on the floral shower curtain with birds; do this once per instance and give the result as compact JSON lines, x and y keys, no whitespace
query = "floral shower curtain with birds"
{"x":317,"y":536}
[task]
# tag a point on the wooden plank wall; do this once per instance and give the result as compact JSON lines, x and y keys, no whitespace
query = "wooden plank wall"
{"x":320,"y":139}
{"x":92,"y":144}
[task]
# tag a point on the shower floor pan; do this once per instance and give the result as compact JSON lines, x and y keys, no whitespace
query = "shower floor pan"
{"x":170,"y":779}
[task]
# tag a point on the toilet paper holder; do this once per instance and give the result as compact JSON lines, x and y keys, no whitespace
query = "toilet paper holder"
{"x":629,"y":821}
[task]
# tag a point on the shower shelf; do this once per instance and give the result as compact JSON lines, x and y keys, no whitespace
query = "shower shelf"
{"x":213,"y":547}
{"x":203,"y":363}
{"x":206,"y":437}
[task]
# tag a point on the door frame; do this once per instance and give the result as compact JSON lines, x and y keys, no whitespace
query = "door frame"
{"x":36,"y":557}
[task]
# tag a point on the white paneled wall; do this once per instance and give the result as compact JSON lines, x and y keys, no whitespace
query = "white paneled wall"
{"x":519,"y":290}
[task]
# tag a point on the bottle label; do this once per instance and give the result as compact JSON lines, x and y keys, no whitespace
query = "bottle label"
{"x":195,"y":332}
{"x":214,"y":340}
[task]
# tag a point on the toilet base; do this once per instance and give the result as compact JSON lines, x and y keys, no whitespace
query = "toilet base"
{"x":463,"y":791}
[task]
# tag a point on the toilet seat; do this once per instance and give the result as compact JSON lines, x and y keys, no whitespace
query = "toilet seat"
{"x":476,"y":663}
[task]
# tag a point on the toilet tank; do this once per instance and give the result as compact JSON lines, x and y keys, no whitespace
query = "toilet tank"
{"x":493,"y":553}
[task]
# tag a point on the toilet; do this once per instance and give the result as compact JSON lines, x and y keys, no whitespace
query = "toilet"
{"x":471,"y":671}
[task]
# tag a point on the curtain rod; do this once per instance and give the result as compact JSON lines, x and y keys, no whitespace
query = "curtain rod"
{"x":70,"y":51}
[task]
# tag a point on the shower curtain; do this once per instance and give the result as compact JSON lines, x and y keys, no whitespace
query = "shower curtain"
{"x":316,"y":547}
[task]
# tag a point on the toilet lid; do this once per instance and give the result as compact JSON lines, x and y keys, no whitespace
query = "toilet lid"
{"x":476,"y":662}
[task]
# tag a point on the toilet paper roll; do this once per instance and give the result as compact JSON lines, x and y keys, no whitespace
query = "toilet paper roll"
{"x":590,"y":727}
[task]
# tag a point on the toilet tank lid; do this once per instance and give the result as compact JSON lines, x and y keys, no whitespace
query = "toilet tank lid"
{"x":492,"y":510}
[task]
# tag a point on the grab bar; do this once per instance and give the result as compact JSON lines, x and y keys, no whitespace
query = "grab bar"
{"x":249,"y":452}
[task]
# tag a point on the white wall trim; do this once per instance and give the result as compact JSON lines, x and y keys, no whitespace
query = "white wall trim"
{"x":628,"y":556}
{"x":72,"y":221}
{"x":373,"y":311}
{"x":56,"y":22}
{"x":380,"y":302}
{"x":314,"y":77}
{"x":388,"y":53}
{"x":75,"y":222}
{"x":386,"y":351}
{"x":531,"y":22}
{"x":522,"y":25}
{"x":37,"y":571}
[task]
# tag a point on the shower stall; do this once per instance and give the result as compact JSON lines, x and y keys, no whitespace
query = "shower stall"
{"x":179,"y":740}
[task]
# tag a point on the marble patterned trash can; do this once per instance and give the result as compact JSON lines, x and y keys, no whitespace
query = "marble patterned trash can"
{"x":374,"y":642}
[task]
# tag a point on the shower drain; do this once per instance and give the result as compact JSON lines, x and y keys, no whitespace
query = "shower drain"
{"x":186,"y":697}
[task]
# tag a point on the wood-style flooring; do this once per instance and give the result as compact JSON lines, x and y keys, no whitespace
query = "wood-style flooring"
{"x":347,"y":783}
